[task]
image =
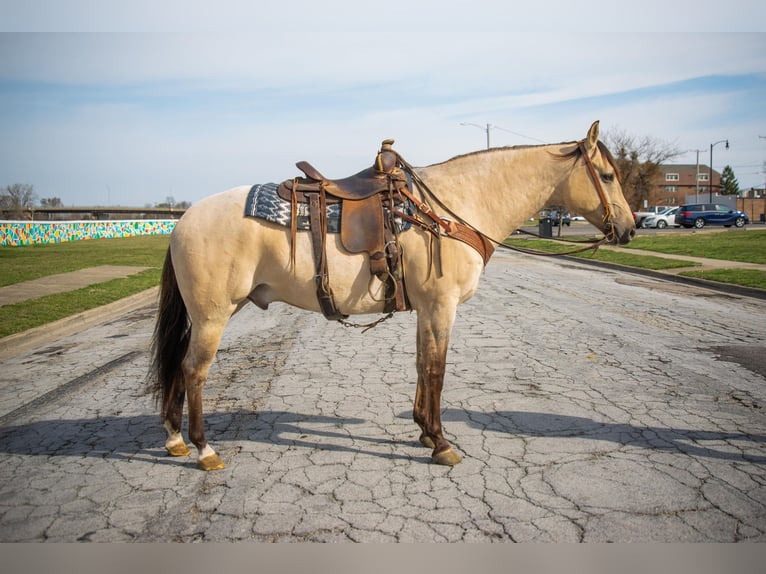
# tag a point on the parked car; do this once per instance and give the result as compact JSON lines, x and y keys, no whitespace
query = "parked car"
{"x":701,"y":214}
{"x":556,"y":217}
{"x":662,"y":220}
{"x":639,"y":216}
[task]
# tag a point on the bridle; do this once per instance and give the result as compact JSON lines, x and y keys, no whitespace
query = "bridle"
{"x":608,"y":218}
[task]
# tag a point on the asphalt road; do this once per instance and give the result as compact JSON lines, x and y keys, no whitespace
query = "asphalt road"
{"x":589,"y":404}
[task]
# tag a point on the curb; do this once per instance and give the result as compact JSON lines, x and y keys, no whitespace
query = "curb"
{"x":693,"y":281}
{"x":27,"y":340}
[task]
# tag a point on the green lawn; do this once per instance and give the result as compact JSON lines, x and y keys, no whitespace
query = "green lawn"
{"x":34,"y":261}
{"x":25,"y":315}
{"x":745,"y":277}
{"x":748,"y":245}
{"x":24,"y":263}
{"x":31,"y":262}
{"x":620,"y":257}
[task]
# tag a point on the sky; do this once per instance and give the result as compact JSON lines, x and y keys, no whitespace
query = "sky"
{"x":129,"y":103}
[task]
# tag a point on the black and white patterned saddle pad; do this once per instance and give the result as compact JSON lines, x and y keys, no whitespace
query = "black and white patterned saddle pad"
{"x":263,"y":202}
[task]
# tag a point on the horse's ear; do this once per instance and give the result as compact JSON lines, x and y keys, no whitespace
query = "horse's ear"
{"x":592,"y":138}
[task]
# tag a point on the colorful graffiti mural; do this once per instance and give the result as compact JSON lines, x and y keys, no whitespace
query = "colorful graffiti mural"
{"x":14,"y":233}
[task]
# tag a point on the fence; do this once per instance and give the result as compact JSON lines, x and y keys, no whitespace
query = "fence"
{"x":755,"y":207}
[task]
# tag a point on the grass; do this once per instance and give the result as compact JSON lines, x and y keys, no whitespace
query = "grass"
{"x":25,"y":263}
{"x":619,"y":257}
{"x":745,"y":277}
{"x":19,"y":317}
{"x":748,"y":246}
{"x":32,"y":262}
{"x":35,"y":261}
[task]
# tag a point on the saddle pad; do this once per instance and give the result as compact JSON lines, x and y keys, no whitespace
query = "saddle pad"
{"x":263,"y":202}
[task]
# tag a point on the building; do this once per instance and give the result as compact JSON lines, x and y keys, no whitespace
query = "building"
{"x":677,"y":183}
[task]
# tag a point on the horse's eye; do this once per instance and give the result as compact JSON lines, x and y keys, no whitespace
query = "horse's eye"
{"x":607,"y":177}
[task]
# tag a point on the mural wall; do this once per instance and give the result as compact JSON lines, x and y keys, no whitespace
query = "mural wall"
{"x":15,"y":233}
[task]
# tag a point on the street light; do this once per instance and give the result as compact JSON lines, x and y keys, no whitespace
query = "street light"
{"x":710,"y":183}
{"x":487,"y":128}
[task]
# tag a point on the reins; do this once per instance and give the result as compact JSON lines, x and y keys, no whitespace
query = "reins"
{"x":448,"y":225}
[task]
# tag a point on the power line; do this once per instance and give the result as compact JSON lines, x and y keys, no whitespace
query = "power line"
{"x":520,"y":135}
{"x":487,"y":127}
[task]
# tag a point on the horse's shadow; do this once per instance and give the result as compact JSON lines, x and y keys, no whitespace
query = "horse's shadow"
{"x":141,"y":437}
{"x":655,"y":438}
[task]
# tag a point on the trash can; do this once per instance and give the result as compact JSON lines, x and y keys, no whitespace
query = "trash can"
{"x":763,"y":217}
{"x":545,"y":227}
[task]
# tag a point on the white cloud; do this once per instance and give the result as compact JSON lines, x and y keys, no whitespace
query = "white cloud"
{"x":190,"y":114}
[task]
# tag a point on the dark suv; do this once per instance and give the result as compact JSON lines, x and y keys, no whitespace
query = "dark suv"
{"x":701,"y":214}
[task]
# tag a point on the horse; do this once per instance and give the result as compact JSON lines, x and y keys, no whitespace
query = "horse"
{"x":218,"y":261}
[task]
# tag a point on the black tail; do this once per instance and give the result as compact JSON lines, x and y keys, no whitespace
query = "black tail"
{"x":170,"y":340}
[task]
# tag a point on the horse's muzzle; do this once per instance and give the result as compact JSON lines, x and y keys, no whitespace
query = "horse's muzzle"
{"x":618,"y":236}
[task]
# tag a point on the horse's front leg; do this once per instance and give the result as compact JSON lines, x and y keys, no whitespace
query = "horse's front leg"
{"x":434,"y":328}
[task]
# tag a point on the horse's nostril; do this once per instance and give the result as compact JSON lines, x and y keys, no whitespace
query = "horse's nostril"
{"x":627,"y":237}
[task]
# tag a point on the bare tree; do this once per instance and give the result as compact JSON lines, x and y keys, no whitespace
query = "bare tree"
{"x":639,"y":160}
{"x":17,"y":199}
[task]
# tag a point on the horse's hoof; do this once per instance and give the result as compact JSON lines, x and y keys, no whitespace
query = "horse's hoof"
{"x":210,"y":462}
{"x":178,"y":449}
{"x":446,"y":457}
{"x":426,"y":441}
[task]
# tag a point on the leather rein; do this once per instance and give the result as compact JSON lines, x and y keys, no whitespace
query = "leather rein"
{"x":466,"y":232}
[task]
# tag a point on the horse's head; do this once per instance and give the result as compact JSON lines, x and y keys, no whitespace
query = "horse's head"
{"x":593,"y":189}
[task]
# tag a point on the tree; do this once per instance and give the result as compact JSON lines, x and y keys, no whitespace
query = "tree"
{"x":51,"y":202}
{"x":639,"y":161}
{"x":729,"y":183}
{"x":17,"y":199}
{"x":171,"y":203}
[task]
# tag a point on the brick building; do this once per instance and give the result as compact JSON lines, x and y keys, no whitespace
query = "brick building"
{"x":678,"y":182}
{"x":675,"y":185}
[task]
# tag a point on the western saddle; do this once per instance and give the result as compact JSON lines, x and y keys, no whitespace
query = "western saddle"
{"x":371,"y":202}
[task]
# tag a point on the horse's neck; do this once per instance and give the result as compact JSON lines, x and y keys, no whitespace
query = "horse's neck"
{"x":496,"y":191}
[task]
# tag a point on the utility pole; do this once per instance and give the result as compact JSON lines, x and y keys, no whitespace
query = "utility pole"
{"x":697,"y":180}
{"x":487,"y":128}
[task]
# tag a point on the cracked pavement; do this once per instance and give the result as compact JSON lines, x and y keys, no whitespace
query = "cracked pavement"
{"x":589,"y":405}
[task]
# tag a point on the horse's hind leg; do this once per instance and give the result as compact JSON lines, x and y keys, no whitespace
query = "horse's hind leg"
{"x":203,"y":345}
{"x":434,"y":329}
{"x":175,"y":444}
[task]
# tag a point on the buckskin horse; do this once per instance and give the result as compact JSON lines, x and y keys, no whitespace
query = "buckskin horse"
{"x":219,"y":260}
